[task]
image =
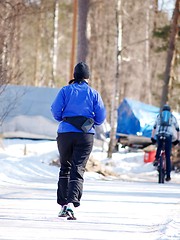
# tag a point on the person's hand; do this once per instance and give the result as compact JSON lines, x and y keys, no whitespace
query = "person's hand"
{"x":153,"y":140}
{"x":175,"y":142}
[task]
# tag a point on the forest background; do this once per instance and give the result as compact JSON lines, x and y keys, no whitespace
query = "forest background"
{"x":132,"y":47}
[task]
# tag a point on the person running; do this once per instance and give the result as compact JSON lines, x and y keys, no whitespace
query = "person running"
{"x":163,"y":131}
{"x":78,"y":107}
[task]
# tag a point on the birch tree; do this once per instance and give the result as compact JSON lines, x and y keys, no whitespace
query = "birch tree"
{"x":115,"y":99}
{"x":55,"y":43}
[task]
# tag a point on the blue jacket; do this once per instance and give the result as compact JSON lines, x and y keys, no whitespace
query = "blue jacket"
{"x":78,"y":99}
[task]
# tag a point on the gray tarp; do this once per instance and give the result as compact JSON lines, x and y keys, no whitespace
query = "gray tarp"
{"x":27,"y":113}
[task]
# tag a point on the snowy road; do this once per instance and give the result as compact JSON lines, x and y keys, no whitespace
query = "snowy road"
{"x":109,"y":210}
{"x":138,"y":209}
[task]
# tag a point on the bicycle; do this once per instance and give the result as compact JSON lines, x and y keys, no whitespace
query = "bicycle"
{"x":161,"y":167}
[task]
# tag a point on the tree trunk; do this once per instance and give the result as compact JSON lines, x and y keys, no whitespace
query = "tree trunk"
{"x":115,"y":99}
{"x":147,"y":57}
{"x":73,"y":52}
{"x":82,"y":50}
{"x":55,"y":41}
{"x":155,"y":14}
{"x":170,"y":53}
{"x":38,"y":57}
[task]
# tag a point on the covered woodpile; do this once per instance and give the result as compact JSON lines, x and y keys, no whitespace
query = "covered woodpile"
{"x":176,"y":158}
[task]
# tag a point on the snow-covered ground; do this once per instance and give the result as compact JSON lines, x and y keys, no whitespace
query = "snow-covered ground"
{"x":132,"y":206}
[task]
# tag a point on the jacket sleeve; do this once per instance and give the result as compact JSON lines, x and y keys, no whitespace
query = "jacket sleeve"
{"x":58,"y":106}
{"x":175,"y":123}
{"x":99,"y":110}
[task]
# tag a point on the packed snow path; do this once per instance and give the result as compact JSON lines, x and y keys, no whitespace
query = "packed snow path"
{"x":109,"y":210}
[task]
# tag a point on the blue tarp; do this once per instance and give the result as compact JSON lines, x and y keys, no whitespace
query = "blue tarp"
{"x":136,"y":118}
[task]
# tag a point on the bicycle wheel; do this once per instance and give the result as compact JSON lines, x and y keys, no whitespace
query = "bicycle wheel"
{"x":161,"y":171}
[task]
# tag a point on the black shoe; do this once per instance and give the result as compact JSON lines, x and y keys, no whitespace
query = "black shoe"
{"x":70,"y":214}
{"x":155,"y":163}
{"x":63,"y":212}
{"x":168,"y":179}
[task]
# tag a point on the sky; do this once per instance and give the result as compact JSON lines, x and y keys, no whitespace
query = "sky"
{"x":131,"y":206}
{"x":167,"y":6}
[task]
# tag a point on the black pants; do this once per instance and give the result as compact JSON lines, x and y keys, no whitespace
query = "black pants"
{"x":168,"y":145}
{"x":74,"y":150}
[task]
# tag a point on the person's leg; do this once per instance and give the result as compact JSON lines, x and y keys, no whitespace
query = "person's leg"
{"x":83,"y":144}
{"x":158,"y":151}
{"x":159,"y":147}
{"x":168,"y":145}
{"x":64,"y":142}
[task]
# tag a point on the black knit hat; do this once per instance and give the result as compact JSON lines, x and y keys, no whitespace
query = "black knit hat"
{"x":81,"y":71}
